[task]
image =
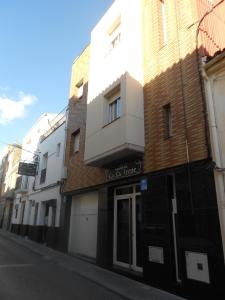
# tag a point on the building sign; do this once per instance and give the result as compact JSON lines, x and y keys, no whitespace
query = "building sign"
{"x":28,"y":169}
{"x":124,"y":170}
{"x":144,"y":184}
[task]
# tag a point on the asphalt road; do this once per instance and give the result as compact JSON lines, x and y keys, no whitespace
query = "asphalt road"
{"x":25,"y":275}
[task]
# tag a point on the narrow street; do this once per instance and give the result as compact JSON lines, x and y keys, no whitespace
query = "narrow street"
{"x":25,"y":275}
{"x":31,"y":271}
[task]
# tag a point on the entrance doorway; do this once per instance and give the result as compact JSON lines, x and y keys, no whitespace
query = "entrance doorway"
{"x":127,"y":227}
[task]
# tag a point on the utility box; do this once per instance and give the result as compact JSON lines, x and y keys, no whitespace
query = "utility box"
{"x":156,"y":254}
{"x":197,"y":266}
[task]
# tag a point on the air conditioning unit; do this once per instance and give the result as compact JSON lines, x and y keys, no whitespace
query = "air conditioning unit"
{"x":64,"y":173}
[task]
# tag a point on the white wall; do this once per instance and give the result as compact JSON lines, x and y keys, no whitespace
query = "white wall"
{"x":31,"y":140}
{"x":107,"y":66}
{"x":215,"y":96}
{"x":83,"y":224}
{"x":55,"y":165}
{"x":41,"y":197}
{"x":32,"y":144}
{"x":122,"y":65}
{"x":54,"y":162}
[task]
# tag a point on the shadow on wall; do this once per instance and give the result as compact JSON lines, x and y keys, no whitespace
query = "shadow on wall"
{"x":180,"y":88}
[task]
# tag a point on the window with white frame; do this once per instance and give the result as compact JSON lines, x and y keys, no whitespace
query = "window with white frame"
{"x":76,"y":141}
{"x":114,"y":111}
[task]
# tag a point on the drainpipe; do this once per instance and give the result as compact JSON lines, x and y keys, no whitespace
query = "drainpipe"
{"x":219,"y":169}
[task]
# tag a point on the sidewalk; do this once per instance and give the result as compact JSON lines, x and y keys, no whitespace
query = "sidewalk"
{"x":118,"y":284}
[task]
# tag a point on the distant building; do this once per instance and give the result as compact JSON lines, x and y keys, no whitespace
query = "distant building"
{"x":30,"y":153}
{"x":8,"y":179}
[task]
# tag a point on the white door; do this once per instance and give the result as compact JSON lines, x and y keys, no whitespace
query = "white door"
{"x":127,"y":221}
{"x":83,"y":225}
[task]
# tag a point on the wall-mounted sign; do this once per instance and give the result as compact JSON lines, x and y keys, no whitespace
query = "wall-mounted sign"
{"x":27,"y":169}
{"x":124,"y":170}
{"x":144,"y":184}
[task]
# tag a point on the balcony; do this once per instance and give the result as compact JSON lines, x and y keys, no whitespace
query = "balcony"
{"x":115,"y":124}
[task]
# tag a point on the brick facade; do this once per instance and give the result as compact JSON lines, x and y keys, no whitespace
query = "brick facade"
{"x":79,"y":175}
{"x":171,"y":76}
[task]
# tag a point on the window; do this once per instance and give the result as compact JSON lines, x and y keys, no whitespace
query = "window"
{"x":44,"y":167}
{"x":114,"y":110}
{"x":80,"y":89}
{"x":16,"y":210}
{"x":35,"y":213}
{"x":163,"y":26}
{"x":114,"y":33}
{"x":76,"y":141}
{"x":58,"y":149}
{"x":167,"y":120}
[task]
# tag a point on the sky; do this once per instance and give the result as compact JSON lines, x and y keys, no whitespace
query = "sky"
{"x":39,"y":39}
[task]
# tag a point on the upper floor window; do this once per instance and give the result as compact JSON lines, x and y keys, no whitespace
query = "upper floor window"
{"x":44,"y":167}
{"x":80,"y":89}
{"x":114,"y":33}
{"x":162,"y":21}
{"x":58,"y":149}
{"x":112,"y":105}
{"x":167,"y":120}
{"x":76,"y":141}
{"x":114,"y":109}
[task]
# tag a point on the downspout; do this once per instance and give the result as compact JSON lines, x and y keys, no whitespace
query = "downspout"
{"x":211,"y":122}
{"x":199,"y":64}
{"x":218,"y":175}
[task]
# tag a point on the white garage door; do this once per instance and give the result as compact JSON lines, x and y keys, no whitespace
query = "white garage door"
{"x":83,"y":224}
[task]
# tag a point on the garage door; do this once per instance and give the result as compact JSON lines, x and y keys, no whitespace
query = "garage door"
{"x":83,"y":225}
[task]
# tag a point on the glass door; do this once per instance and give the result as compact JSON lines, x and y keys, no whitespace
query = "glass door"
{"x":123,"y":232}
{"x":127,"y":229}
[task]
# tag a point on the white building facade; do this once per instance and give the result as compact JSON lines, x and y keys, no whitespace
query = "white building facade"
{"x":44,"y":140}
{"x":214,"y":79}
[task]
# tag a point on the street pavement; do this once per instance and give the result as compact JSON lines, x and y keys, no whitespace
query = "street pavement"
{"x":30,"y":271}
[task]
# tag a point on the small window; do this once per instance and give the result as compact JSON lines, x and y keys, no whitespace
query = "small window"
{"x":167,"y":120}
{"x":58,"y":149}
{"x":80,"y":89}
{"x":36,"y":213}
{"x":114,"y":33}
{"x":44,"y":168}
{"x":76,"y":141}
{"x":114,"y":109}
{"x":16,"y":211}
{"x":162,"y":21}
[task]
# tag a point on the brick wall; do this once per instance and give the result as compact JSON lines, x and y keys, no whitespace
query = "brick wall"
{"x":171,"y":76}
{"x":79,"y":175}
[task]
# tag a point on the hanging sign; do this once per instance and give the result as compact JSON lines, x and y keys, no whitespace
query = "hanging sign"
{"x":28,"y":169}
{"x":144,"y":184}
